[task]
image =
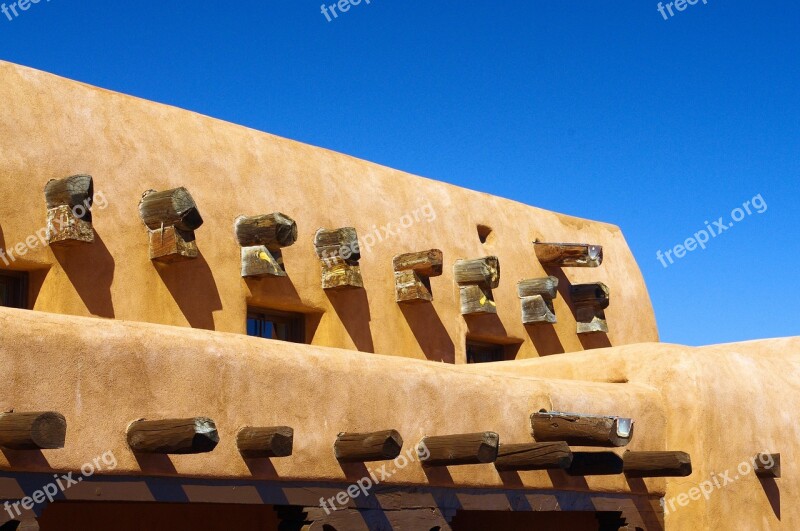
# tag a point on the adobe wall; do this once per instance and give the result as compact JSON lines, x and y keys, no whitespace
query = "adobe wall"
{"x":724,"y":404}
{"x":53,"y":128}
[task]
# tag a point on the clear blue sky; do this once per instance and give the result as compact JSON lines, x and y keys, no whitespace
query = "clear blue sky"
{"x":602,"y":110}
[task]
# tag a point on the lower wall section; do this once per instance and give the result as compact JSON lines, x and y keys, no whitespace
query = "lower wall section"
{"x":133,"y":503}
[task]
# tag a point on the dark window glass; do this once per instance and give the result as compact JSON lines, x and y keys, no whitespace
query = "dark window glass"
{"x":13,"y":289}
{"x":276,"y":325}
{"x":484,"y":352}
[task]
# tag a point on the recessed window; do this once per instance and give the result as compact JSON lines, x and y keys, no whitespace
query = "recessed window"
{"x":282,"y":326}
{"x":485,"y":352}
{"x":14,"y":289}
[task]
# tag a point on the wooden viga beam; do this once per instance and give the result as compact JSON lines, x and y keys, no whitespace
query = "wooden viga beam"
{"x":339,"y":252}
{"x":261,"y":239}
{"x":257,"y":443}
{"x":412,"y":273}
{"x":590,"y":302}
{"x":537,"y":296}
{"x":173,"y":436}
{"x":568,"y":254}
{"x":365,"y":447}
{"x":465,"y":449}
{"x":581,"y":430}
{"x":69,"y":210}
{"x":171,"y":218}
{"x":657,"y":464}
{"x":767,"y":465}
{"x":32,"y":431}
{"x":476,"y":279}
{"x":533,"y":456}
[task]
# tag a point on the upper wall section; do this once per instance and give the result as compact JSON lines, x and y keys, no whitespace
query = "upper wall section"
{"x":52,"y":128}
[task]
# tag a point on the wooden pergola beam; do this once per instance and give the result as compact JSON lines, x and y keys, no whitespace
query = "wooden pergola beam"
{"x":173,"y":436}
{"x":657,"y":464}
{"x":259,"y":443}
{"x":581,"y":430}
{"x":32,"y":431}
{"x":533,"y":456}
{"x":365,"y":447}
{"x":569,"y":254}
{"x":464,"y":449}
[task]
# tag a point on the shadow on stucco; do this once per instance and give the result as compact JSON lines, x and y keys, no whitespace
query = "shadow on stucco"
{"x":90,"y":269}
{"x":194,"y":289}
{"x":430,"y":332}
{"x":773,"y":493}
{"x":352,"y":307}
{"x":545,"y":339}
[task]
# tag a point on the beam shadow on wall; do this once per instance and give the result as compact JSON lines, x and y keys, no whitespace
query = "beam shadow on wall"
{"x":352,"y":307}
{"x":194,"y":289}
{"x":90,"y":269}
{"x":430,"y":332}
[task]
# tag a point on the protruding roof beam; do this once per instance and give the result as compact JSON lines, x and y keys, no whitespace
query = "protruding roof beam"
{"x":581,"y":430}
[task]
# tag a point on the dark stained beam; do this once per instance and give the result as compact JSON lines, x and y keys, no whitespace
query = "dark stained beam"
{"x":581,"y":430}
{"x":174,"y":436}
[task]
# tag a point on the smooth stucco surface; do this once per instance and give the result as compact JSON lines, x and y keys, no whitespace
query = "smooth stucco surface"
{"x":53,"y":128}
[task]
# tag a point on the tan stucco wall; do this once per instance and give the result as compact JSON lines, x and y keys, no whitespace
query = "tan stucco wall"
{"x":103,"y":374}
{"x":724,"y":404}
{"x":52,"y":128}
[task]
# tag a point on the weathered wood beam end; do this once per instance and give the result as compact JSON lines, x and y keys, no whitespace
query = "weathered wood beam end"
{"x":171,"y":217}
{"x":590,"y":301}
{"x":533,"y":456}
{"x":365,"y":447}
{"x":259,"y":261}
{"x":172,"y":245}
{"x":569,"y":254}
{"x":65,"y":228}
{"x":657,"y":464}
{"x":32,"y":431}
{"x":595,"y":464}
{"x":482,"y":271}
{"x":581,"y":430}
{"x":411,"y":288}
{"x":339,"y":252}
{"x":477,"y":300}
{"x":259,"y":443}
{"x":425,"y":263}
{"x":69,"y":210}
{"x":465,"y":449}
{"x":768,"y":465}
{"x":170,"y":207}
{"x":274,"y":231}
{"x":537,"y":296}
{"x":175,"y":436}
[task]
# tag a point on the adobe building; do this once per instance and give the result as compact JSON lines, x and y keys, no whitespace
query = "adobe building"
{"x":207,"y":326}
